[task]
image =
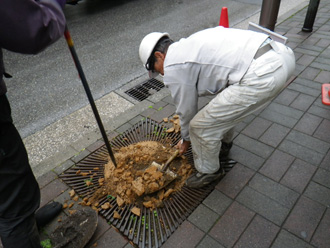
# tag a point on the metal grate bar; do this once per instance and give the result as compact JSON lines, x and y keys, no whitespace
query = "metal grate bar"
{"x":145,"y":89}
{"x":153,"y":227}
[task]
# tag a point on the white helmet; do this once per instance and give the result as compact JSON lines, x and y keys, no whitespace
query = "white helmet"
{"x":147,"y":45}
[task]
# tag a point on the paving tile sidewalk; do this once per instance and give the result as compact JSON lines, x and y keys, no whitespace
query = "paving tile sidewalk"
{"x":278,"y":195}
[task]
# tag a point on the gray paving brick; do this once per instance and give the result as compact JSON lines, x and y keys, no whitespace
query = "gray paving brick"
{"x":286,"y":239}
{"x":96,"y":145}
{"x":306,"y":59}
{"x":322,"y":131}
{"x":304,"y":218}
{"x":257,"y":127}
{"x":324,"y":61}
{"x":321,"y":237}
{"x":217,"y":201}
{"x":235,"y":181}
{"x":298,"y":175}
{"x":285,"y":110}
{"x":46,"y":179}
{"x":308,"y":42}
{"x":286,"y":97}
{"x":309,"y":84}
{"x":320,"y":66}
{"x":129,"y":246}
{"x":253,"y":146}
{"x":277,"y":165}
{"x":308,"y":141}
{"x":135,"y":120}
{"x":319,"y":111}
{"x":318,"y":193}
{"x":203,"y":217}
{"x":304,"y":89}
{"x":159,"y":105}
{"x":208,"y":242}
{"x":319,"y":22}
{"x":163,"y":112}
{"x":51,"y":191}
{"x":308,"y":123}
{"x":246,"y":158}
{"x":249,"y":119}
{"x":260,"y":233}
{"x":111,"y":238}
{"x":299,"y":69}
{"x":307,"y":51}
{"x":80,"y":156}
{"x":186,"y":236}
{"x":263,"y":205}
{"x":322,"y":177}
{"x":303,"y":102}
{"x":168,"y":99}
{"x":279,"y":118}
{"x":323,"y":43}
{"x":102,"y":227}
{"x":274,"y":190}
{"x":149,"y":111}
{"x":231,"y":225}
{"x":326,"y":162}
{"x":123,"y":128}
{"x":323,"y":77}
{"x":301,"y":152}
{"x":274,"y":135}
{"x":240,"y":126}
{"x":63,"y":167}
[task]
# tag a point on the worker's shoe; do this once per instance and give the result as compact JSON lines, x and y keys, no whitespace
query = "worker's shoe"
{"x":199,"y":180}
{"x":47,"y":213}
{"x":225,"y":148}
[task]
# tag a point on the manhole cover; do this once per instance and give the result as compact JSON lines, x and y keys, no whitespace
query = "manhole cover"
{"x":153,"y":227}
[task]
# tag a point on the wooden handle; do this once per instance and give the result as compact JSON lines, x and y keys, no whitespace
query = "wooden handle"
{"x":170,"y":160}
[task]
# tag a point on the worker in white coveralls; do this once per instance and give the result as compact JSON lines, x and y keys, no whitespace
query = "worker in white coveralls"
{"x":243,"y":69}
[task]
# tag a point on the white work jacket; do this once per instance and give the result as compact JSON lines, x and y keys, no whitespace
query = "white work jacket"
{"x":204,"y":64}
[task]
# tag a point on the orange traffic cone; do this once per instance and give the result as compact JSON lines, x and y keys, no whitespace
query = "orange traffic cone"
{"x":224,"y":22}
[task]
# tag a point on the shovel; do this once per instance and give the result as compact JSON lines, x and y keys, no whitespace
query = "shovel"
{"x":168,"y":174}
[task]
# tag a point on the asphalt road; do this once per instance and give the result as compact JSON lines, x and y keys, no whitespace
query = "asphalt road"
{"x":106,"y":35}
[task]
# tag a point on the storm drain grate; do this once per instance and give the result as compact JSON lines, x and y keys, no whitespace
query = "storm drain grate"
{"x":153,"y":227}
{"x":145,"y":89}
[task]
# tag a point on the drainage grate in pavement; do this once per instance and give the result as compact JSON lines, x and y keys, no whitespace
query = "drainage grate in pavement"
{"x":153,"y":227}
{"x":145,"y":89}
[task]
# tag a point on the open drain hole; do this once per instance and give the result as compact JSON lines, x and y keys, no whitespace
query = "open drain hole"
{"x":145,"y":89}
{"x":153,"y":227}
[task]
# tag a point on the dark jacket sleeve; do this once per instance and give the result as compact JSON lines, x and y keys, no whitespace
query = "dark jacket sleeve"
{"x":28,"y":26}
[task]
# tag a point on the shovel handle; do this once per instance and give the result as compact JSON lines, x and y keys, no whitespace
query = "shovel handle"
{"x":170,"y":160}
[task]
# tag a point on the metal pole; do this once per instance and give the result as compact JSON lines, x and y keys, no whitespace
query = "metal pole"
{"x":310,"y":15}
{"x":88,"y":92}
{"x":269,"y":13}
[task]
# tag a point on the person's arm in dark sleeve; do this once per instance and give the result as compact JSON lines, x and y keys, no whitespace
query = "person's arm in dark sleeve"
{"x":28,"y":26}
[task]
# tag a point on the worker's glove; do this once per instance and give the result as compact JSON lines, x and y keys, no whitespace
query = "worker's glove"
{"x":61,"y":3}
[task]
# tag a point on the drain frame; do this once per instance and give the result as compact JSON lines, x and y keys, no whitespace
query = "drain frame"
{"x":153,"y":227}
{"x":145,"y":89}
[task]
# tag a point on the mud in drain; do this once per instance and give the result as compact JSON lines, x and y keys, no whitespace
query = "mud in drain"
{"x":147,"y":220}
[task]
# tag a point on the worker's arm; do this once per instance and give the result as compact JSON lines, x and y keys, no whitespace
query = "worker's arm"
{"x":182,"y":80}
{"x":29,"y":26}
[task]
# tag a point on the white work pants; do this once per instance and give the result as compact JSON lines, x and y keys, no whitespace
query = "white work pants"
{"x":263,"y":81}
